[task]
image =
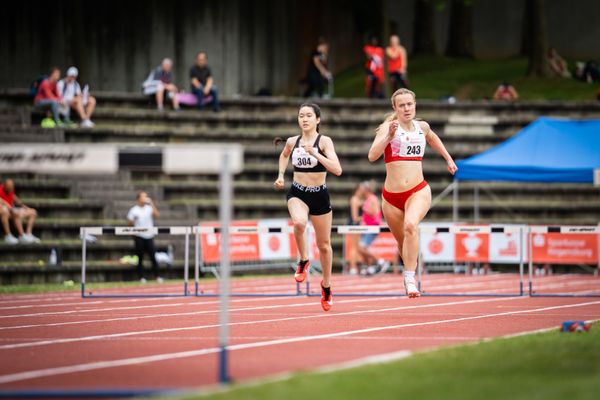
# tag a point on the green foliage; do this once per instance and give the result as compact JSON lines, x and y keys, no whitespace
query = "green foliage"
{"x":433,"y":77}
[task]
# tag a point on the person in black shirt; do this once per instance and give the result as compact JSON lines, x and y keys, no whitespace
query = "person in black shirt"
{"x":318,"y":72}
{"x":202,"y":83}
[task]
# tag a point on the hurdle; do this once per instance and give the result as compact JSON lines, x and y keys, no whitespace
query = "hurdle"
{"x":355,"y":230}
{"x":207,"y":230}
{"x":568,"y":230}
{"x":132,"y":231}
{"x":489,"y":229}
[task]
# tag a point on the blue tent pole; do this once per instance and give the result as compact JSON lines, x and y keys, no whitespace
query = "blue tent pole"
{"x":455,"y":201}
{"x":476,"y":203}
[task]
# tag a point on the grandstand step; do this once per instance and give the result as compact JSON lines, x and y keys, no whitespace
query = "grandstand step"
{"x":100,"y":271}
{"x":71,"y":208}
{"x":112,"y":248}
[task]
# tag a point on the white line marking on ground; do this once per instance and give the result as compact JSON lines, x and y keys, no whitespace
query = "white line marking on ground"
{"x":28,"y":375}
{"x":188,"y":313}
{"x":270,"y":320}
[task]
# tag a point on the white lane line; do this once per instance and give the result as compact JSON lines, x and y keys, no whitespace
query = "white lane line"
{"x":376,"y":359}
{"x":190,"y":313}
{"x":264,"y":321}
{"x":189,"y":303}
{"x":28,"y":375}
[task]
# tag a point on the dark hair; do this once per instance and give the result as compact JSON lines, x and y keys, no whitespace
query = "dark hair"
{"x":139,"y":194}
{"x":316,"y":109}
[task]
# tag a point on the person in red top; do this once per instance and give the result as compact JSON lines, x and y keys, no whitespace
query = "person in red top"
{"x":12,"y":207}
{"x":401,"y":139}
{"x":374,"y":66}
{"x":397,"y":63}
{"x":47,"y":95}
{"x":506,"y":92}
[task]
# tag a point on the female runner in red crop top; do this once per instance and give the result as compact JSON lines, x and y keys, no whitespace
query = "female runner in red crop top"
{"x":406,"y":195}
{"x":313,"y":155}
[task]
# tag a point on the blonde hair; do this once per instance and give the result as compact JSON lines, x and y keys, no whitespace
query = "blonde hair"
{"x":399,"y":92}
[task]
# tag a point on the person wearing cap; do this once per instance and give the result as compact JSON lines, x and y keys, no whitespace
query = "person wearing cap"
{"x":75,"y":98}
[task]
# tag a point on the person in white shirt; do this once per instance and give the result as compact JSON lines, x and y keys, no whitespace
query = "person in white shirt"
{"x":142,"y":216}
{"x":77,"y":99}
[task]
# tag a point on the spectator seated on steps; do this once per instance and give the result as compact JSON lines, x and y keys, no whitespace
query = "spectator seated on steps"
{"x":159,"y":84}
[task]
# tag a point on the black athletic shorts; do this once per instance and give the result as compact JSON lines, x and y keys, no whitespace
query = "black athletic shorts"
{"x":315,"y":197}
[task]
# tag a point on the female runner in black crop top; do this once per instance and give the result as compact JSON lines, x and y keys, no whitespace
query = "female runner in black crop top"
{"x":312,"y":156}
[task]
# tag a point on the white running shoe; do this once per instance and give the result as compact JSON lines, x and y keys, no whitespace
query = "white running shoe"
{"x":10,"y":239}
{"x":411,"y":287}
{"x":86,"y":123}
{"x":32,"y":239}
{"x":383,"y":265}
{"x":26,"y":239}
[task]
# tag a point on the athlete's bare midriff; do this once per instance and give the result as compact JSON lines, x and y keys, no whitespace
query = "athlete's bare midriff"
{"x":403,"y":175}
{"x":310,"y":178}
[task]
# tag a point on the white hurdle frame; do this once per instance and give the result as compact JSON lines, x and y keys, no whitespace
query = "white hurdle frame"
{"x":132,"y":231}
{"x":491,"y":229}
{"x":206,"y":230}
{"x":563,"y":229}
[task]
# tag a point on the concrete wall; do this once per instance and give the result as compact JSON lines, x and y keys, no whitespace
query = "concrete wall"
{"x":250,"y":44}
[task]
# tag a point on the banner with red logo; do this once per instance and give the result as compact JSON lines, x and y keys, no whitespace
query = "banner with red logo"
{"x":572,"y":248}
{"x":248,"y":247}
{"x":446,"y":247}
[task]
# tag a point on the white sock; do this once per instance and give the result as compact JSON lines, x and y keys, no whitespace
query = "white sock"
{"x":409,"y":274}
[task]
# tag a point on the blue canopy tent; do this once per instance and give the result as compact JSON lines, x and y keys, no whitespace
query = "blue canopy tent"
{"x":547,"y":150}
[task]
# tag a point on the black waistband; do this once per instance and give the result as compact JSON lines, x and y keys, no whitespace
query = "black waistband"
{"x":309,"y":189}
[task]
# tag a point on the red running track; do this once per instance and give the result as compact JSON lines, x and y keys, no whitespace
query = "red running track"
{"x":60,"y":341}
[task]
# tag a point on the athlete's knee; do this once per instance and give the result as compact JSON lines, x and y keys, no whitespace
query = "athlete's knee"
{"x":410,"y":228}
{"x":325,"y":247}
{"x":300,"y":225}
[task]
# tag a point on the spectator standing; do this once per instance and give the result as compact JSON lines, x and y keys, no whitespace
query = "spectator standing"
{"x":160,"y":84}
{"x":397,"y":63}
{"x":355,"y":218}
{"x":318,"y":72}
{"x":202,"y":82}
{"x":374,"y":67}
{"x":11,"y":207}
{"x":506,"y":92}
{"x":142,"y":215}
{"x":79,"y":100}
{"x":371,"y":216}
{"x":47,"y":95}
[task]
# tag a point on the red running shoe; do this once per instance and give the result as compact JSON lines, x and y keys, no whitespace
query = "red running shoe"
{"x":301,"y":271}
{"x":326,"y":298}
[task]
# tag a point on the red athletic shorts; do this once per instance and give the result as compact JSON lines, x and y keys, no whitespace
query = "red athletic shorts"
{"x":398,"y":199}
